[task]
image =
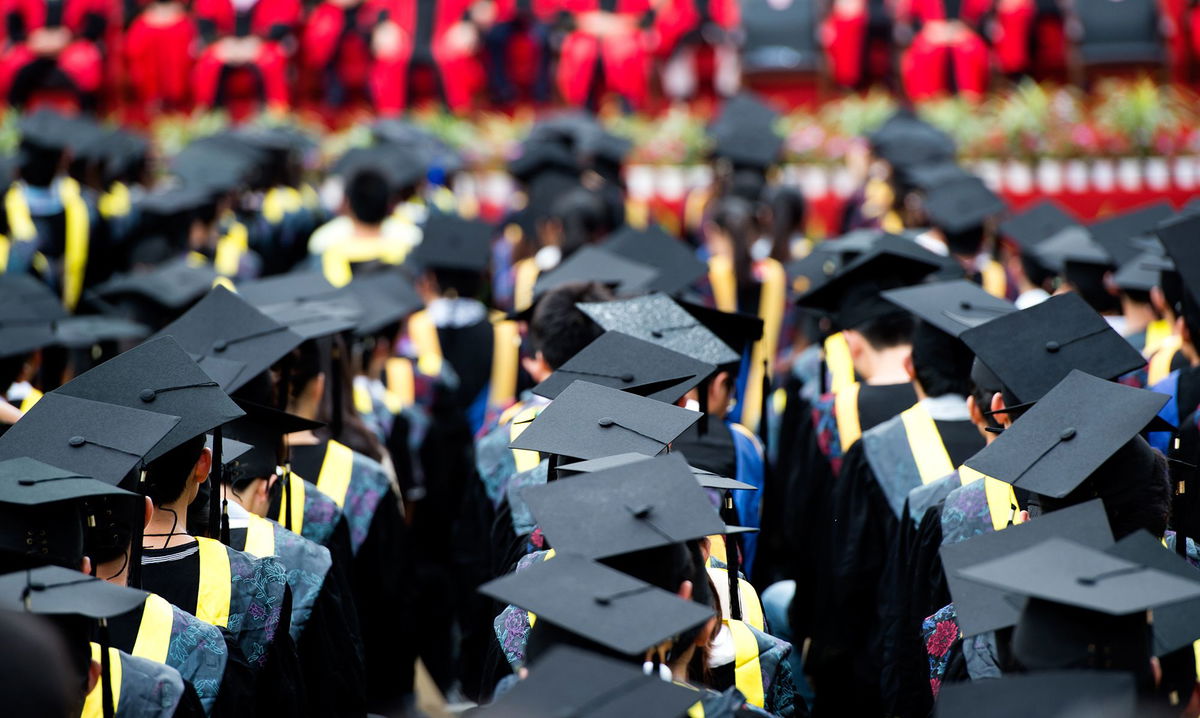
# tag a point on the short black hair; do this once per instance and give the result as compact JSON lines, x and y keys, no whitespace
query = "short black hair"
{"x":942,"y":363}
{"x":39,"y":165}
{"x":369,"y":196}
{"x":965,"y":242}
{"x":890,"y":330}
{"x":558,"y":329}
{"x":459,"y":283}
{"x":584,"y":216}
{"x":1035,"y":271}
{"x":167,"y":475}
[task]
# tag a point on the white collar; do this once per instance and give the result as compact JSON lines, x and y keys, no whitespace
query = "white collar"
{"x":948,"y":407}
{"x":454,"y":313}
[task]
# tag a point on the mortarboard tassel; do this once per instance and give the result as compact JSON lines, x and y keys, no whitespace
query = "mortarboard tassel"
{"x":335,"y":370}
{"x":106,"y":671}
{"x":214,"y":495}
{"x":135,"y":541}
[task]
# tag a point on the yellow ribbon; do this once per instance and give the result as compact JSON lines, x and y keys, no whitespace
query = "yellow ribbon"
{"x":772,"y":298}
{"x":93,"y":705}
{"x":216,"y":583}
{"x":747,"y":673}
{"x":839,"y":362}
{"x":423,"y":334}
{"x":523,"y":459}
{"x":1160,"y":361}
{"x":116,"y":201}
{"x":296,"y":491}
{"x":506,"y":352}
{"x":230,"y":247}
{"x":925,"y":443}
{"x":260,"y":537}
{"x":336,"y":468}
{"x":845,"y":408}
{"x":994,"y":279}
{"x":154,"y":632}
{"x":526,"y":274}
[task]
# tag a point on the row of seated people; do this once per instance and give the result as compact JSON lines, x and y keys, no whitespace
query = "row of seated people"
{"x":168,"y":56}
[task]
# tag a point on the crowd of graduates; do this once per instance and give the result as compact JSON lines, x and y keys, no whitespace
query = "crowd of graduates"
{"x":290,"y":441}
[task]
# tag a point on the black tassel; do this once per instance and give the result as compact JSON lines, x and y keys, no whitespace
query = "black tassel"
{"x":335,"y":370}
{"x":733,"y":562}
{"x":764,"y":402}
{"x":702,"y":393}
{"x":214,"y":492}
{"x":105,"y":672}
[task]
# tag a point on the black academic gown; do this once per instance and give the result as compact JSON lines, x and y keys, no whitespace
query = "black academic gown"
{"x":845,"y":656}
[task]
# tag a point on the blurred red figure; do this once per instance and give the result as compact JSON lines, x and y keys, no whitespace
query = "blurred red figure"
{"x":947,"y":54}
{"x":617,"y":34}
{"x":158,"y":58}
{"x":844,"y":36}
{"x":683,"y":27}
{"x":336,"y":50}
{"x":441,"y":36}
{"x":53,"y":46}
{"x":244,"y":43}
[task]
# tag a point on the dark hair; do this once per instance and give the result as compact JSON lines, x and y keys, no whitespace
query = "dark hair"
{"x":369,"y":196}
{"x":887,"y":331}
{"x":1037,"y":274}
{"x":942,"y":364}
{"x":308,"y":361}
{"x":584,"y":216}
{"x":39,"y":165}
{"x":558,"y":329}
{"x":965,"y":242}
{"x":747,"y":185}
{"x":1139,"y":296}
{"x":735,"y":217}
{"x":459,"y":282}
{"x":167,"y":475}
{"x":788,"y":210}
{"x":45,"y":664}
{"x":1088,"y":281}
{"x":1134,"y":486}
{"x":10,"y":370}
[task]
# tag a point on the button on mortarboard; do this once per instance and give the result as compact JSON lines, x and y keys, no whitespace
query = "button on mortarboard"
{"x":158,"y":376}
{"x":588,"y":421}
{"x":624,"y":509}
{"x":623,"y":362}
{"x":1068,"y":434}
{"x":660,"y":320}
{"x":1071,"y":336}
{"x":598,"y":603}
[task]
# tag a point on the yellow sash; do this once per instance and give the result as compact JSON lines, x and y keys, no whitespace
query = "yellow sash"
{"x":279,"y":202}
{"x":4,"y":247}
{"x":334,"y":478}
{"x":845,"y":408}
{"x":154,"y":631}
{"x":526,"y":274}
{"x":260,"y":537}
{"x":926,"y":445}
{"x":93,"y":705}
{"x":772,"y":299}
{"x":115,"y":202}
{"x":694,"y":207}
{"x":216,"y":583}
{"x":724,"y":286}
{"x":523,"y":459}
{"x":1001,"y":499}
{"x":230,"y":248}
{"x":838,"y":362}
{"x":637,"y":213}
{"x":423,"y":334}
{"x":363,"y":403}
{"x":1160,"y":361}
{"x":752,"y":611}
{"x":400,"y":391}
{"x":506,"y":354}
{"x":295,"y":494}
{"x":994,"y":279}
{"x":76,"y":220}
{"x":747,"y":673}
{"x":30,"y":399}
{"x":1157,"y":332}
{"x":336,"y":261}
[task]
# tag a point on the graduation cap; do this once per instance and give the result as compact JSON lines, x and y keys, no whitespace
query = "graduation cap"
{"x":384,"y":298}
{"x":904,"y":140}
{"x":22,"y":297}
{"x":852,"y":296}
{"x":1143,"y":272}
{"x":24,"y":336}
{"x":262,"y":428}
{"x":932,"y":176}
{"x":572,"y":683}
{"x":623,"y":362}
{"x":953,"y":306}
{"x":82,"y":331}
{"x":1086,"y":608}
{"x":678,"y":266}
{"x":706,"y":479}
{"x":1038,"y":222}
{"x":1178,"y":236}
{"x":1115,"y":233}
{"x":233,"y":449}
{"x":174,"y":201}
{"x":595,"y":264}
{"x":598,"y":603}
{"x":587,"y":421}
{"x":751,"y":148}
{"x":172,"y":285}
{"x":398,"y":166}
{"x":315,"y":319}
{"x":1072,"y":245}
{"x":451,"y":242}
{"x":227,"y":327}
{"x":1068,"y":434}
{"x":736,"y":330}
{"x":1047,"y":694}
{"x":828,"y":258}
{"x":158,"y":376}
{"x":624,"y":509}
{"x":43,"y":510}
{"x":1032,"y":350}
{"x":660,"y":320}
{"x":45,"y":130}
{"x":982,"y":607}
{"x":960,"y":205}
{"x":536,"y":158}
{"x":1176,"y":625}
{"x":744,"y":109}
{"x":305,"y":302}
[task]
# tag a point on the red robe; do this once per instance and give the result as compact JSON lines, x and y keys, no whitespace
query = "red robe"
{"x":624,"y":59}
{"x":678,"y":21}
{"x":461,"y":74}
{"x":158,"y":63}
{"x":327,"y":40}
{"x":925,"y":65}
{"x":80,"y":61}
{"x":269,"y":20}
{"x":843,"y":33}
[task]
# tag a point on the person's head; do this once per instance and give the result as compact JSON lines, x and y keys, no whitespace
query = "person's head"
{"x":871,"y":339}
{"x":19,"y":367}
{"x":311,"y":372}
{"x":40,"y":165}
{"x":984,"y":386}
{"x":966,"y":242}
{"x":109,"y":543}
{"x":578,"y":217}
{"x":451,"y":284}
{"x":786,"y":212}
{"x":940,"y":364}
{"x":256,"y":494}
{"x":174,"y":478}
{"x":46,"y":669}
{"x":558,"y":330}
{"x":731,"y":231}
{"x":1094,"y":284}
{"x":368,"y":197}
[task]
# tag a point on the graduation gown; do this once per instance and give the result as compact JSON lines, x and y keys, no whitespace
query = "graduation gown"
{"x":248,"y":597}
{"x":158,"y":61}
{"x":142,"y":688}
{"x":866,"y":504}
{"x":1183,"y":386}
{"x":78,"y":67}
{"x":683,"y":22}
{"x":381,"y":566}
{"x":324,"y":625}
{"x":928,"y":67}
{"x":272,"y":21}
{"x":624,"y":60}
{"x":335,"y":48}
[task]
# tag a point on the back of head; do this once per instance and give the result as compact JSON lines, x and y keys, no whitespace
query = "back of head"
{"x":583,"y":216}
{"x":891,"y":330}
{"x":166,"y":476}
{"x":941,"y":362}
{"x":558,"y":329}
{"x":368,"y":196}
{"x":41,"y":676}
{"x":1134,"y":486}
{"x":39,"y":165}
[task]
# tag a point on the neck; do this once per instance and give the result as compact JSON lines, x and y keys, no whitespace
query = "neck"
{"x":1137,"y":316}
{"x":303,"y":438}
{"x":364,"y":230}
{"x":168,"y":519}
{"x":884,"y":366}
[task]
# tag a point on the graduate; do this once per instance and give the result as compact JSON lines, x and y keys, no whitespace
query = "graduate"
{"x":686,"y":26}
{"x":947,"y":53}
{"x":157,"y":50}
{"x":244,"y":42}
{"x":615,"y":39}
{"x":1020,"y":233}
{"x":53,"y":50}
{"x":337,"y":52}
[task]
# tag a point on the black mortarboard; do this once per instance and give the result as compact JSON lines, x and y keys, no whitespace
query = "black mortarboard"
{"x":706,"y":479}
{"x":982,"y":607}
{"x":1049,"y":694}
{"x":104,"y":441}
{"x":960,"y":205}
{"x":158,"y":376}
{"x":624,"y":509}
{"x":1178,"y":624}
{"x":45,"y":130}
{"x":231,"y":449}
{"x":52,"y":590}
{"x":263,"y":428}
{"x":678,"y":266}
{"x":953,"y":306}
{"x":24,"y":297}
{"x":744,"y":110}
{"x":1114,"y":233}
{"x":852,"y":295}
{"x":588,"y":421}
{"x":1068,"y":434}
{"x":451,"y":242}
{"x":904,"y":140}
{"x":1036,"y":223}
{"x":537,"y":158}
{"x":1071,"y":245}
{"x":1178,"y":236}
{"x":736,"y":330}
{"x":658,"y":319}
{"x":174,"y":201}
{"x":572,"y":683}
{"x":384,"y":298}
{"x":594,"y":264}
{"x":623,"y":362}
{"x":83,"y":331}
{"x":286,"y":289}
{"x":316,"y":319}
{"x":754,"y":149}
{"x":172,"y":285}
{"x":399,"y":167}
{"x":827,"y":259}
{"x":1143,"y":272}
{"x":598,"y":603}
{"x":1032,"y":350}
{"x":930,"y":177}
{"x":24,"y":336}
{"x":227,"y":327}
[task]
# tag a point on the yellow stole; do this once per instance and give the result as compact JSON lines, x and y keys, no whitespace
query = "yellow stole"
{"x":75,"y":250}
{"x":925,"y":443}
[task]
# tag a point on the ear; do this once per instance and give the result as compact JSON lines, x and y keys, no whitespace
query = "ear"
{"x":150,"y":509}
{"x":1159,"y":301}
{"x":908,"y":367}
{"x":203,"y":466}
{"x":685,"y":590}
{"x":263,"y":488}
{"x":94,"y":672}
{"x":854,"y":342}
{"x":318,"y":385}
{"x":975,"y":412}
{"x":85,"y":565}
